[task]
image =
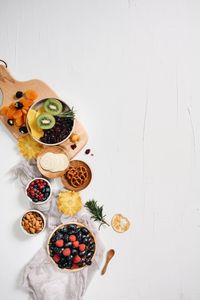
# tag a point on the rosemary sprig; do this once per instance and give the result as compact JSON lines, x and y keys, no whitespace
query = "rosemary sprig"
{"x":96,"y":212}
{"x":70,"y":113}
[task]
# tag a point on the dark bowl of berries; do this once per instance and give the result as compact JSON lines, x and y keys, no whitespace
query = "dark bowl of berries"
{"x":50,"y":121}
{"x":71,"y":247}
{"x":38,"y":191}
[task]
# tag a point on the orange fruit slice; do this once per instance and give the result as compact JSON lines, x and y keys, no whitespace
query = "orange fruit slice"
{"x":120,"y":223}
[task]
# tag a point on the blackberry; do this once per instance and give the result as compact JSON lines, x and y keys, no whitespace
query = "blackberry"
{"x":23,"y":130}
{"x":10,"y":122}
{"x":19,"y":105}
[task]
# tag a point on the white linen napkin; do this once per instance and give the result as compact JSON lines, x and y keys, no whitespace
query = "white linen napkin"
{"x":41,"y":277}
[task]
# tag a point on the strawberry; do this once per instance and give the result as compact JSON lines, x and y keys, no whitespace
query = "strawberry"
{"x":76,"y":259}
{"x":56,"y":258}
{"x":82,"y":247}
{"x":76,"y":244}
{"x":72,"y":238}
{"x":66,"y":252}
{"x":59,"y":243}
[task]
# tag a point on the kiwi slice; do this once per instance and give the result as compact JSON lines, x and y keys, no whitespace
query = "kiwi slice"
{"x":45,"y":121}
{"x":53,"y":106}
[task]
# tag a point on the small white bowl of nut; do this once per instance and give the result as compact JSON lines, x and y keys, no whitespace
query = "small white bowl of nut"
{"x":33,"y":222}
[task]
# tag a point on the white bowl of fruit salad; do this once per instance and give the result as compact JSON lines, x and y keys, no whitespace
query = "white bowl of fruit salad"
{"x":50,"y":121}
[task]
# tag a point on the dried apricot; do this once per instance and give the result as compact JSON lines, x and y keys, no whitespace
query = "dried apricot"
{"x":18,"y":114}
{"x":31,"y":95}
{"x":4,"y":111}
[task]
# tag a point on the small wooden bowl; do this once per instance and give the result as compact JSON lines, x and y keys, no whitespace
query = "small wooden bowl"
{"x":76,"y":164}
{"x":49,"y":174}
{"x":63,"y":225}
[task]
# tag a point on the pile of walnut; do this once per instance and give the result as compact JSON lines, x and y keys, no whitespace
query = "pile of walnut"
{"x":32,"y":222}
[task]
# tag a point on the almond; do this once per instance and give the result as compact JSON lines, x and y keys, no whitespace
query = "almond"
{"x":32,"y":230}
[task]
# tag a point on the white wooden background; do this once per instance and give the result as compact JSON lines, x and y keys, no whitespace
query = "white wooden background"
{"x":131,"y":68}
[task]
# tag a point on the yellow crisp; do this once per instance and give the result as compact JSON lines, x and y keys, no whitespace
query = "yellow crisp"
{"x":69,"y":203}
{"x":28,"y":147}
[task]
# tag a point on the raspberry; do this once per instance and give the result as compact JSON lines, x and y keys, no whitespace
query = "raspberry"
{"x":82,"y":247}
{"x":74,"y":266}
{"x":76,"y":244}
{"x":66,"y":252}
{"x":60,"y":243}
{"x":56,"y":258}
{"x":76,"y":259}
{"x":72,"y":238}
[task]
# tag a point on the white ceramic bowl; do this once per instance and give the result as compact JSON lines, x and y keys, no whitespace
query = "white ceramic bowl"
{"x":37,"y":106}
{"x":40,"y":202}
{"x":44,"y":222}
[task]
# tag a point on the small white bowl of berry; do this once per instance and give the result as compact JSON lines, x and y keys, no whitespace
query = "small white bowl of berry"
{"x":71,"y":247}
{"x":39,"y":191}
{"x":50,"y":121}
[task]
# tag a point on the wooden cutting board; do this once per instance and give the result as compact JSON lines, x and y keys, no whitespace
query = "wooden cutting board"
{"x":8,"y":88}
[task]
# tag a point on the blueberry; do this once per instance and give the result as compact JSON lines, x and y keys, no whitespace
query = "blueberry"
{"x":84,"y":230}
{"x":85,"y":240}
{"x":58,"y":250}
{"x":59,"y":236}
{"x":70,"y":259}
{"x":83,"y":259}
{"x":64,"y":230}
{"x":53,"y":239}
{"x":68,"y":264}
{"x":88,"y":262}
{"x":78,"y":229}
{"x":74,"y":252}
{"x":91,"y":247}
{"x":82,"y":254}
{"x":46,"y":195}
{"x":90,"y":240}
{"x":68,"y":245}
{"x":61,"y":265}
{"x":89,"y":254}
{"x":65,"y":237}
{"x":63,"y":260}
{"x":72,"y":226}
{"x":19,"y":94}
{"x":71,"y":231}
{"x":79,"y":236}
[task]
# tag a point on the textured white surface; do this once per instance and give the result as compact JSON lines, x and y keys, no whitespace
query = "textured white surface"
{"x":131,"y":69}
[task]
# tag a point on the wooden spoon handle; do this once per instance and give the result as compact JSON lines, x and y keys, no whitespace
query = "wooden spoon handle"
{"x":103,"y":271}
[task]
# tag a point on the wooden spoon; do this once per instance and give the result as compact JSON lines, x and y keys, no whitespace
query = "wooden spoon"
{"x":109,"y":256}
